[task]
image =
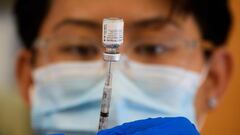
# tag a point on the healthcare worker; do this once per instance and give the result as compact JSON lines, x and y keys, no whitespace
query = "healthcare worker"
{"x":174,"y":68}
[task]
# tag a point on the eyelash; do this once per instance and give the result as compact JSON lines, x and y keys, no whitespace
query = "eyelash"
{"x":80,"y":49}
{"x":151,"y":49}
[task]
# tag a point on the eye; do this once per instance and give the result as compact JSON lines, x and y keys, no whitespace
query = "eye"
{"x":150,"y":49}
{"x":80,"y":50}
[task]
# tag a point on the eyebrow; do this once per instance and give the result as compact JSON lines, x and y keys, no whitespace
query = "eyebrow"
{"x":138,"y":24}
{"x":155,"y":21}
{"x":77,"y":22}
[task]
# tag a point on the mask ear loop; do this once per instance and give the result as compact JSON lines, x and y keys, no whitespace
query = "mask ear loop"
{"x":208,"y":47}
{"x":203,"y":77}
{"x":212,"y":102}
{"x":204,"y":74}
{"x":31,"y":94}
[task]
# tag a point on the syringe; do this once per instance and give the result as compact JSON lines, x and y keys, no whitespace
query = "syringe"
{"x":112,"y":39}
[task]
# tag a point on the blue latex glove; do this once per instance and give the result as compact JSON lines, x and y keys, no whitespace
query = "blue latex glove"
{"x":154,"y":126}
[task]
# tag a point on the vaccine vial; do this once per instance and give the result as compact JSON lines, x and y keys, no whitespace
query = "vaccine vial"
{"x":112,"y":38}
{"x":112,"y":32}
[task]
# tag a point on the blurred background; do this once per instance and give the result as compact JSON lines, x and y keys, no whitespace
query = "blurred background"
{"x":9,"y":46}
{"x":225,"y":120}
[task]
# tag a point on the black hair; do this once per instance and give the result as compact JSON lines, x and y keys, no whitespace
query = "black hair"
{"x":29,"y":16}
{"x":213,"y":18}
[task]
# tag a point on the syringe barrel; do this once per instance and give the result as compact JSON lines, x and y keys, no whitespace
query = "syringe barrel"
{"x":106,"y":100}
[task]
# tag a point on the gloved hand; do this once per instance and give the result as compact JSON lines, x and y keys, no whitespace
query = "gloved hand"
{"x":154,"y":126}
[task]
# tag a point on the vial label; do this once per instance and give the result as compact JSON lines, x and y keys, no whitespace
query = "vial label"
{"x":113,"y":31}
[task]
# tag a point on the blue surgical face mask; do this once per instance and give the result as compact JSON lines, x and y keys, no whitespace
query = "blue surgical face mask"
{"x":66,"y":97}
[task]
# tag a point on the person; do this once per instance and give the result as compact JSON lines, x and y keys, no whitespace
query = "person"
{"x":174,"y":64}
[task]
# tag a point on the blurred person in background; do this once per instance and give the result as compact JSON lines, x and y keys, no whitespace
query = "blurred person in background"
{"x":174,"y":65}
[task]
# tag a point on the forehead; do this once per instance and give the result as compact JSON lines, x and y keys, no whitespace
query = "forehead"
{"x":95,"y":10}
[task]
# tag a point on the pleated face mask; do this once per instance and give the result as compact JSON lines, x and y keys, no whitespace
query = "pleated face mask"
{"x":66,"y":97}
